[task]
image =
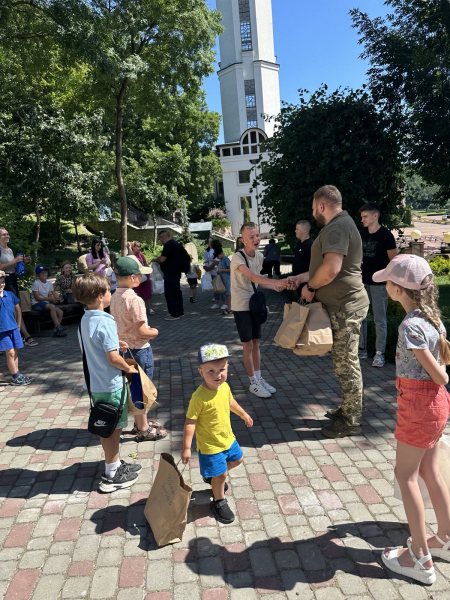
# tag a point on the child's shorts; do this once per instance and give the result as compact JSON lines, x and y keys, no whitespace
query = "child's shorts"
{"x":192,"y":281}
{"x":39,"y":306}
{"x":212,"y":465}
{"x":10,"y":339}
{"x":423,"y":410}
{"x":114,"y":399}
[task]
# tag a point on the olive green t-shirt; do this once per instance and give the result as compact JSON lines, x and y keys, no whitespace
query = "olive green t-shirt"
{"x":346,"y":293}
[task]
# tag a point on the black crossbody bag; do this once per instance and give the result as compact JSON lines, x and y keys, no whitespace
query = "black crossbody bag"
{"x":257,"y":304}
{"x":103,"y":417}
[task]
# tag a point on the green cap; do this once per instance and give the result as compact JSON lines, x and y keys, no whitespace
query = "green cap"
{"x":128,"y":265}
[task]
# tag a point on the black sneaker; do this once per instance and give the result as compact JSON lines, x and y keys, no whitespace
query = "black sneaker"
{"x":123,"y":478}
{"x":208,"y":481}
{"x":221,"y":511}
{"x":191,"y":299}
{"x":132,"y":467}
{"x":334,"y":413}
{"x":340,"y":429}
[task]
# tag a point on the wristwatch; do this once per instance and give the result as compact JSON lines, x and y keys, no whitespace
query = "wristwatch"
{"x":309,"y":288}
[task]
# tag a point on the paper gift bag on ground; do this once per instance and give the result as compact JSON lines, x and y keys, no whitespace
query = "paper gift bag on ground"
{"x":316,"y":337}
{"x":218,"y":286}
{"x":166,"y":507}
{"x":207,"y":285}
{"x":444,"y":468}
{"x":142,"y":396}
{"x":294,"y":319}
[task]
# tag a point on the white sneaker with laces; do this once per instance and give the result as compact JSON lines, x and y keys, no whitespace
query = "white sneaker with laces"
{"x":259,"y":390}
{"x":268,"y":387}
{"x":378,"y":360}
{"x":215,"y":306}
{"x":224,"y":307}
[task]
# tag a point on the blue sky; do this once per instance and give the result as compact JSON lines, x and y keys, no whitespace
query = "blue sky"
{"x":314,"y":43}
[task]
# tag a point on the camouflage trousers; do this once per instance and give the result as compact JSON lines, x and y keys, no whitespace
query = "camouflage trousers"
{"x":346,"y":328}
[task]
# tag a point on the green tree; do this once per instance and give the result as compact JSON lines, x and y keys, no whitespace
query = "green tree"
{"x":339,"y":139}
{"x":418,"y":194}
{"x":246,"y":205}
{"x":409,"y":54}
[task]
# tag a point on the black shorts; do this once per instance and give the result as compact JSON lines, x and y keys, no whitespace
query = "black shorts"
{"x":248,"y":328}
{"x":192,"y":280}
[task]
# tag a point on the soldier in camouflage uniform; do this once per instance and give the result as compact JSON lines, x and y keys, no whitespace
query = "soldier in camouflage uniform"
{"x":335,"y":279}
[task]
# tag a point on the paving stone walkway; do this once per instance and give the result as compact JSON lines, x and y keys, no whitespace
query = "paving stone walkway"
{"x":311,"y":514}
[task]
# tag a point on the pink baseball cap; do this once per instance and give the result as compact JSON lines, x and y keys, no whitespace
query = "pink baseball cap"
{"x":406,"y":270}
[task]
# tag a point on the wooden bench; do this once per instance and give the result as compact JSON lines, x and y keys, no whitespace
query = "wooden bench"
{"x":37,"y":318}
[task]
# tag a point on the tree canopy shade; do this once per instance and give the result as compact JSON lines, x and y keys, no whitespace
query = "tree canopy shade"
{"x":409,"y":54}
{"x":339,"y":139}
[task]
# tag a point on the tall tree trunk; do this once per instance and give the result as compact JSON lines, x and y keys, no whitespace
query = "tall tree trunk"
{"x":77,"y":237}
{"x":38,"y":228}
{"x":154,"y":231}
{"x":119,"y":178}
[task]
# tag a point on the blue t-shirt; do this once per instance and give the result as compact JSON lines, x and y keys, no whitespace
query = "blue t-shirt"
{"x":99,"y":331}
{"x":7,"y":311}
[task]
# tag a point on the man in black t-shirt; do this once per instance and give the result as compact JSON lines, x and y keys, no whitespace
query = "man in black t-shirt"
{"x":379,"y":248}
{"x":302,"y":254}
{"x":170,"y":261}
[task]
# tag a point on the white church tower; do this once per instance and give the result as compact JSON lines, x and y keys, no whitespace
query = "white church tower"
{"x":249,"y":87}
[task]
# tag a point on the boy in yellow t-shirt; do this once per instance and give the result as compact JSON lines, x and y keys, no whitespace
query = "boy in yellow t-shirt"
{"x":208,"y":416}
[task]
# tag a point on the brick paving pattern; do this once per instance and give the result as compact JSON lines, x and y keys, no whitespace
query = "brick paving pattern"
{"x":311,"y":514}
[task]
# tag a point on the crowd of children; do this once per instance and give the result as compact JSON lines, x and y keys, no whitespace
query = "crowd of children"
{"x":421,"y":358}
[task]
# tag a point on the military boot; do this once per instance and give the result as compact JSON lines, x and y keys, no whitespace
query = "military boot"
{"x":334,"y":413}
{"x":341,"y":428}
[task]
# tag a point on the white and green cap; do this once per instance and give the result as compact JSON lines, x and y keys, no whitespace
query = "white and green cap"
{"x":209,"y":352}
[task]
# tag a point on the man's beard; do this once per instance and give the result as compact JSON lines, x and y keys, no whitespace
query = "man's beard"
{"x":320,"y":219}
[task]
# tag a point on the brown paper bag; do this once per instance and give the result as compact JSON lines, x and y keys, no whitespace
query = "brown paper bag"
{"x":218,"y":285}
{"x":166,"y":507}
{"x":294,"y":319}
{"x":316,"y":337}
{"x":149,"y":391}
{"x":25,"y":301}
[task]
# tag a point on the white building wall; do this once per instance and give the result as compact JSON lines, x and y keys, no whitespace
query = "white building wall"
{"x":268,"y":90}
{"x":232,"y":93}
{"x":263,"y":46}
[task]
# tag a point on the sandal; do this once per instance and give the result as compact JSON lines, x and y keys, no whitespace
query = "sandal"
{"x":151,"y":435}
{"x":418,"y":571}
{"x":443,"y":552}
{"x":21,"y":380}
{"x":30,"y":342}
{"x":135,"y":429}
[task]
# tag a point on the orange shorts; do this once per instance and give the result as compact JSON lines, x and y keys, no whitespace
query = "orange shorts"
{"x":423,"y":410}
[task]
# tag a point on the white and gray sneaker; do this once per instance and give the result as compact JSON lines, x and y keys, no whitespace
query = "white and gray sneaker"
{"x":378,"y":360}
{"x":124,"y":477}
{"x":259,"y":390}
{"x":268,"y":387}
{"x":363,"y":354}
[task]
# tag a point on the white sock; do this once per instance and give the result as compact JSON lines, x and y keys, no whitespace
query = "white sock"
{"x":111,"y":468}
{"x":253,"y":380}
{"x":258,"y":375}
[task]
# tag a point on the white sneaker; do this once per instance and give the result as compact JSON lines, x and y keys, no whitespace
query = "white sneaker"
{"x":378,"y":360}
{"x":215,"y":306}
{"x":259,"y":390}
{"x":268,"y":387}
{"x":224,"y":307}
{"x":170,"y":318}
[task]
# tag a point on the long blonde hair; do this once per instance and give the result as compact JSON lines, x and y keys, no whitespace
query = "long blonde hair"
{"x":426,"y":301}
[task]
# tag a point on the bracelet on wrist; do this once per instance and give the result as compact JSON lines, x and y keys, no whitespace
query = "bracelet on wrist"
{"x":309,"y":288}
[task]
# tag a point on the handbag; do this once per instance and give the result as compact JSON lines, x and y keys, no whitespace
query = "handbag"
{"x":207,"y":285}
{"x":103,"y":417}
{"x":257,"y":303}
{"x":218,"y":286}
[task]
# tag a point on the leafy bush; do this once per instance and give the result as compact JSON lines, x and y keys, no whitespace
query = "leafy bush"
{"x":219,"y":223}
{"x":440,"y":265}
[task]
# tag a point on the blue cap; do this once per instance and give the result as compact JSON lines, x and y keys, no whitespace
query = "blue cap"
{"x":209,"y":352}
{"x":40,"y":268}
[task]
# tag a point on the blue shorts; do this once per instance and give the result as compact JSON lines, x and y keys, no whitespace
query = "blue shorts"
{"x":10,"y":339}
{"x":39,"y":306}
{"x":212,"y":465}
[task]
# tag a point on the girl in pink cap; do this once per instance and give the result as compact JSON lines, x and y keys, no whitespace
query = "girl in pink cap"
{"x":423,"y":410}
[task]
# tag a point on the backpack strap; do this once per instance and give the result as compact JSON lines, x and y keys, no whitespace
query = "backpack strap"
{"x":246,"y":262}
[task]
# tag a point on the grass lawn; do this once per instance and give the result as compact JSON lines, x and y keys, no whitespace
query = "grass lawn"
{"x":444,"y":298}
